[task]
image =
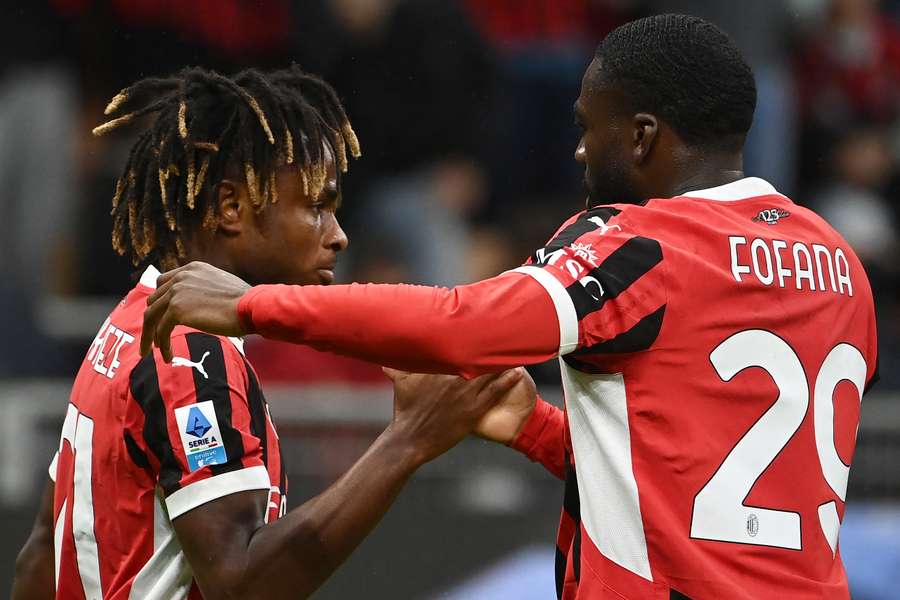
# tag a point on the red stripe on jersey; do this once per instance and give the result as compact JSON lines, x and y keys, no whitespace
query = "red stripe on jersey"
{"x":122,"y":437}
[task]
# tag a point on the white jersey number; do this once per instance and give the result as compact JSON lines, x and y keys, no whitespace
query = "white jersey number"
{"x":719,"y":510}
{"x":78,"y":431}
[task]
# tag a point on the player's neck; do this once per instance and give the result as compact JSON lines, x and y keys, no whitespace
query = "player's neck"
{"x":196,"y":250}
{"x":707,"y":171}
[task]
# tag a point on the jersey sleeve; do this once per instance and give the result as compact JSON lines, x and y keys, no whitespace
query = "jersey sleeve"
{"x":590,"y":289}
{"x":483,"y":327}
{"x":606,"y":281}
{"x":193,"y":429}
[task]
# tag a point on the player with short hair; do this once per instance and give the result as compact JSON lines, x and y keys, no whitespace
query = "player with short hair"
{"x":715,"y":339}
{"x":169,"y":481}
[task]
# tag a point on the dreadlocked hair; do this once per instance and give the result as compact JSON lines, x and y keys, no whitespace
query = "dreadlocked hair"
{"x":205,"y":125}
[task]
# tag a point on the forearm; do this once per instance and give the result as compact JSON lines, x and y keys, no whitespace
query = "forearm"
{"x":488,"y":326}
{"x":542,"y":438}
{"x":294,"y":555}
{"x":34,"y":576}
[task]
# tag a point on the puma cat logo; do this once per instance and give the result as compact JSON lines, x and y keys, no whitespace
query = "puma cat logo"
{"x":177,"y":361}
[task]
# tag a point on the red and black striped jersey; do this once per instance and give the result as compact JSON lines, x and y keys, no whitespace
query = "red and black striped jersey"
{"x":144,"y":442}
{"x":714,"y":351}
{"x":712,"y":375}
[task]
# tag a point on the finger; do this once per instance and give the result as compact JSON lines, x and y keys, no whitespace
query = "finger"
{"x":151,"y":319}
{"x":163,"y":335}
{"x":160,"y":291}
{"x":482,"y":381}
{"x":168,"y":275}
{"x":502,"y":384}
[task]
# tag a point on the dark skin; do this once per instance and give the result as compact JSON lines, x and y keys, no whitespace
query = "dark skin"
{"x":296,"y":240}
{"x":631,"y":156}
{"x":34,"y":576}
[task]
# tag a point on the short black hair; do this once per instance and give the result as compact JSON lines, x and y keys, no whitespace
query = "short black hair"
{"x":686,"y":71}
{"x":205,"y":126}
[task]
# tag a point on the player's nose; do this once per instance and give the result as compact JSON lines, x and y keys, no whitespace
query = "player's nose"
{"x":337,"y":239}
{"x":580,"y":154}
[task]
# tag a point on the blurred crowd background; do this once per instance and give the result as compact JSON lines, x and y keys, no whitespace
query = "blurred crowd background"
{"x":464,"y":112}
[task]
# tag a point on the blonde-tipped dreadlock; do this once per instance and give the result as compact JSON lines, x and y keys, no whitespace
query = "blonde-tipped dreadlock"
{"x":205,"y":125}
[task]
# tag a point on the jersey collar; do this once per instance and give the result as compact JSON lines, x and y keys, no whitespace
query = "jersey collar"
{"x":148,"y":279}
{"x":748,"y":187}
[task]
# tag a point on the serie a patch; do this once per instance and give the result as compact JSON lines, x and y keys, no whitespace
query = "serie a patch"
{"x":200,"y":435}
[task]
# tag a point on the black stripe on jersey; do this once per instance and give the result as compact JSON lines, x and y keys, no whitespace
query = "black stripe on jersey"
{"x":572,"y":506}
{"x":578,"y":228}
{"x":676,"y":595}
{"x":215,"y":388}
{"x":876,"y":375}
{"x":257,"y":413}
{"x":640,"y":337}
{"x":134,"y":451}
{"x":631,"y":261}
{"x":144,"y":383}
{"x":560,"y":572}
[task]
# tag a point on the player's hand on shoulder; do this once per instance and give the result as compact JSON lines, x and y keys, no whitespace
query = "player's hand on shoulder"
{"x":197,"y":295}
{"x":432,"y":413}
{"x":504,"y":420}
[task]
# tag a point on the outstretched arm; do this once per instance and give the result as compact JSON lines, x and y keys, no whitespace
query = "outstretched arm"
{"x":234,"y":554}
{"x":34,"y":578}
{"x":491,"y":325}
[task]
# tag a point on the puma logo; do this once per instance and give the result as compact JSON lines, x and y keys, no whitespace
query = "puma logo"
{"x":177,"y":361}
{"x":603,"y":226}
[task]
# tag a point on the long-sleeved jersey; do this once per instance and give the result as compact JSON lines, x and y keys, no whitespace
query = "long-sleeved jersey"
{"x":714,"y":350}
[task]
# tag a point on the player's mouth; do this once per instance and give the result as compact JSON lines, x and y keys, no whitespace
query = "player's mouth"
{"x":326,"y":275}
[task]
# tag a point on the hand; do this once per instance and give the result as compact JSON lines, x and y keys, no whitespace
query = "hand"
{"x":432,"y":413}
{"x":196,"y":295}
{"x":504,"y":420}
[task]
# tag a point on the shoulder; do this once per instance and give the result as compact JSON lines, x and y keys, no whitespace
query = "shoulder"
{"x":200,"y":361}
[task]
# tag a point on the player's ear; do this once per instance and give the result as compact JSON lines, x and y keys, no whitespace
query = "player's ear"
{"x":646,"y":128}
{"x":232,"y":206}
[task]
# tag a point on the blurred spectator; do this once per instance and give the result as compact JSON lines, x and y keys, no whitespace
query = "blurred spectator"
{"x":38,"y":110}
{"x":414,"y":77}
{"x":542,"y":48}
{"x":850,"y":69}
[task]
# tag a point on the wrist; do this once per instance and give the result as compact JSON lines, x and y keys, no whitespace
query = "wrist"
{"x":245,"y":311}
{"x":403,"y":449}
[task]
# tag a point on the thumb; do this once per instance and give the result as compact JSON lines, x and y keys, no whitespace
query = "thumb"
{"x":394,"y":374}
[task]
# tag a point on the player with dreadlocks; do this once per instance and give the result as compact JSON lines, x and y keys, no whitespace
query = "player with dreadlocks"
{"x":270,"y":122}
{"x":169,"y":481}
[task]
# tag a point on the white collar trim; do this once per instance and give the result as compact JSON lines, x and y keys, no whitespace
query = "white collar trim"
{"x":748,"y":187}
{"x":148,"y":279}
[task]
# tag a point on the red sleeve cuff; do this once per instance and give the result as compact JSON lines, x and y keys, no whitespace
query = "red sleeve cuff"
{"x":542,"y":438}
{"x":528,"y":437}
{"x":245,"y":311}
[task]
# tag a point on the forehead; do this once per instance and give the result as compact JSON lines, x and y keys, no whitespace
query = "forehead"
{"x":596,"y":95}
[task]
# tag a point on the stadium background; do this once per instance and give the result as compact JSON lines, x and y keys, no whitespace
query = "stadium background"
{"x":464,"y":111}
